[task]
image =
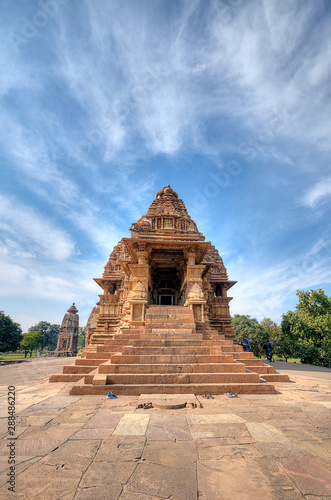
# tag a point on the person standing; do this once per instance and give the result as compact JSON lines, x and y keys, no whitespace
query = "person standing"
{"x":269,"y":348}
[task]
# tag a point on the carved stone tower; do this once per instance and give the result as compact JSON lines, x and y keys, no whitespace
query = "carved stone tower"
{"x":68,"y":336}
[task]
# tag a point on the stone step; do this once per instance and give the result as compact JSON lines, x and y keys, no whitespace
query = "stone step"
{"x":184,"y":347}
{"x":152,"y":342}
{"x":170,"y":368}
{"x":275,"y":377}
{"x":262,"y":369}
{"x":90,"y":361}
{"x":182,"y":378}
{"x":158,"y":335}
{"x":217,"y":341}
{"x":112,"y":348}
{"x":243,"y":355}
{"x":160,"y":344}
{"x":60,"y":377}
{"x":168,"y":359}
{"x":252,"y":362}
{"x":163,"y":307}
{"x":166,"y":350}
{"x":136,"y":390}
{"x":232,"y":348}
{"x":187,"y":318}
{"x":132,"y":330}
{"x":118,"y":342}
{"x":171,"y":325}
{"x":170,"y":336}
{"x":166,"y":311}
{"x":172,"y":331}
{"x":78,"y":369}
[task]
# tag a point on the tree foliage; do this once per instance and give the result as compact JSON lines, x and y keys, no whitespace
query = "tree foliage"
{"x":306,"y":332}
{"x":81,"y":337}
{"x":314,"y":303}
{"x":245,"y":325}
{"x":10,"y":333}
{"x":50,"y":334}
{"x":31,"y":342}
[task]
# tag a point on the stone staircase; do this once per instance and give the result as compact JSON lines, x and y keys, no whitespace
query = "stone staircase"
{"x":168,"y":356}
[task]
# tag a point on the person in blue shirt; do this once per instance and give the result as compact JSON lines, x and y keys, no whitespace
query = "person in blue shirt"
{"x":246,"y":343}
{"x":269,"y":348}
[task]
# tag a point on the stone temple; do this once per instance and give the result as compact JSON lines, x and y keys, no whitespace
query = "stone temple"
{"x":163,"y":324}
{"x":68,"y":336}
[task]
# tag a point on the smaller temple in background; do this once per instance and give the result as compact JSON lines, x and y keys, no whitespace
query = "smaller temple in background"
{"x":68,"y":336}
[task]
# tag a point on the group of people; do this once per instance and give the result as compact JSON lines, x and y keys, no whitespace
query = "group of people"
{"x":267,"y":346}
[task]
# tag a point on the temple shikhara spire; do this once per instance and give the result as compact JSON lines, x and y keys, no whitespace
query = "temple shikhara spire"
{"x":68,"y":336}
{"x":162,"y":322}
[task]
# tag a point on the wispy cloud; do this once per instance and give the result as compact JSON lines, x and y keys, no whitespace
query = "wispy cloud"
{"x":35,"y":234}
{"x":317,"y":193}
{"x":265,"y":293}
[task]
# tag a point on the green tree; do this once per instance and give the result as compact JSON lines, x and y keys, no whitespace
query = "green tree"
{"x":306,"y":332}
{"x":31,"y":342}
{"x":313,"y":303}
{"x":10,"y":333}
{"x":50,"y":333}
{"x":81,"y":337}
{"x":245,"y":325}
{"x":325,"y":352}
{"x":292,"y":327}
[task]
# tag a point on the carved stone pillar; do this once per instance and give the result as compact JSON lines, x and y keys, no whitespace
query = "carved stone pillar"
{"x":196,"y":301}
{"x":138,"y":300}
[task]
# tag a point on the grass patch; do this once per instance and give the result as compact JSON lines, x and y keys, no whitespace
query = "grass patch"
{"x":17,"y":355}
{"x":279,"y":358}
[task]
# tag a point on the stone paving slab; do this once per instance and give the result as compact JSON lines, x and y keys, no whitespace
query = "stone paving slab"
{"x":168,"y":428}
{"x":121,"y":449}
{"x":232,"y":431}
{"x":311,"y":474}
{"x":44,"y":482}
{"x":233,"y":478}
{"x":228,"y":418}
{"x":265,"y":433}
{"x":110,"y":474}
{"x":132,"y":425}
{"x":250,"y":447}
{"x":172,"y":454}
{"x":22,"y":464}
{"x":103,"y":419}
{"x":164,"y":481}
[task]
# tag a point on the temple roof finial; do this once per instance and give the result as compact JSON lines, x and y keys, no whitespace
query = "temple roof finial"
{"x":166,"y":191}
{"x":73,"y":309}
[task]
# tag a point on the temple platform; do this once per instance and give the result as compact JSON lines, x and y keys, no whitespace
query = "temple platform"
{"x":173,"y":359}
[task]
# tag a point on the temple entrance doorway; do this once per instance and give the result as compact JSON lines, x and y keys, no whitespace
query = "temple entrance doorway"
{"x":165,"y":286}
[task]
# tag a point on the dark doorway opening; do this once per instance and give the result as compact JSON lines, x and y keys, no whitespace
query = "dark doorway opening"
{"x":165,"y":286}
{"x":166,"y":300}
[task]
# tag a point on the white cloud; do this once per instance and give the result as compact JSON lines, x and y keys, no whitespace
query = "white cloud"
{"x":267,"y":292}
{"x":45,"y":290}
{"x":317,"y":193}
{"x":34,"y":234}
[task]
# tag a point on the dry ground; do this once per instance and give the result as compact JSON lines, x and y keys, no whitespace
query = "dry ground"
{"x":250,"y":447}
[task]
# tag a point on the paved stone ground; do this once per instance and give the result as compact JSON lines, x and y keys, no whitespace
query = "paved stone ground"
{"x":88,"y":447}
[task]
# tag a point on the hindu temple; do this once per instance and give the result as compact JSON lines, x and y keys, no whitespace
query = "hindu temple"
{"x":162,"y":323}
{"x":68,"y":337}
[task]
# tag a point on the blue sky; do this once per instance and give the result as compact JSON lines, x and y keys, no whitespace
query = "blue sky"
{"x":104,"y":103}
